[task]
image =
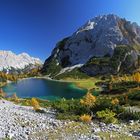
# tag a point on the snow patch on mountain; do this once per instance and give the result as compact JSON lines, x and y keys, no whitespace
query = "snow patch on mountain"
{"x":9,"y":60}
{"x":68,"y":69}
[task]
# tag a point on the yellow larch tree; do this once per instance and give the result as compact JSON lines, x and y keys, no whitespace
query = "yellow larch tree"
{"x":86,"y":118}
{"x":88,"y":100}
{"x":15,"y":97}
{"x":35,"y":104}
{"x":136,"y":77}
{"x":115,"y":101}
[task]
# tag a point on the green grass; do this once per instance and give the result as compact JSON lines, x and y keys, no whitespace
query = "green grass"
{"x":114,"y":136}
{"x":69,"y":130}
{"x":66,"y":116}
{"x":65,"y":132}
{"x":87,"y":83}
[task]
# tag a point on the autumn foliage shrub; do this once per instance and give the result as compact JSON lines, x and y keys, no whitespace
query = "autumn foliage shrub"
{"x":2,"y":93}
{"x":35,"y":104}
{"x":136,"y":77}
{"x":15,"y":98}
{"x":88,"y":100}
{"x":86,"y":118}
{"x":115,"y":101}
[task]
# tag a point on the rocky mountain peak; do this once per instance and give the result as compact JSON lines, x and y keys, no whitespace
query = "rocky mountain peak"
{"x":104,"y":20}
{"x":10,"y":61}
{"x":98,"y":37}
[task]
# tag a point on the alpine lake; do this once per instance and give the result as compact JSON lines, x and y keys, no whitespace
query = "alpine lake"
{"x":44,"y":89}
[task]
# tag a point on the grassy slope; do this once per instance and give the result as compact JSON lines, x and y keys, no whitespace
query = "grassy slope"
{"x":88,"y":83}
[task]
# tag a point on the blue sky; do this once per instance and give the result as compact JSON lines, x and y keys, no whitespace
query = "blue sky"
{"x":35,"y":26}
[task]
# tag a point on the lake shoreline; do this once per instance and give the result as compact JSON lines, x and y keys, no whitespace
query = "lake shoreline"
{"x":79,"y":83}
{"x":51,"y":89}
{"x":75,"y":83}
{"x":83,"y":84}
{"x":47,"y":78}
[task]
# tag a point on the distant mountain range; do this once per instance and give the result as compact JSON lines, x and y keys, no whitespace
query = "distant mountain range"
{"x":105,"y":44}
{"x":12,"y":63}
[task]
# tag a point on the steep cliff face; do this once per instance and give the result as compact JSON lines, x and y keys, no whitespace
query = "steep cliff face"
{"x":12,"y":63}
{"x":98,"y":38}
{"x":124,"y":59}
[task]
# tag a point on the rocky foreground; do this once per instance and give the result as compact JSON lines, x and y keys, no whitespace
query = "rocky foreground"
{"x":22,"y":123}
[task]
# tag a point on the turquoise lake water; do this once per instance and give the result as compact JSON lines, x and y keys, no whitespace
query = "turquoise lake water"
{"x":44,"y":89}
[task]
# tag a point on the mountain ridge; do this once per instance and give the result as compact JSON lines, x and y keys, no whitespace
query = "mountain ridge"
{"x":99,"y":37}
{"x":11,"y":62}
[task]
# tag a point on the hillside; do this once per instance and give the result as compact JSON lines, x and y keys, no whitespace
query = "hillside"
{"x":105,"y":44}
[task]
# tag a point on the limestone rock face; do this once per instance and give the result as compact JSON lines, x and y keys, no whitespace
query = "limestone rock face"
{"x":11,"y":62}
{"x":97,"y":38}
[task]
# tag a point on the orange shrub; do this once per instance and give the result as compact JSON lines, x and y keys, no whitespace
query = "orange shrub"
{"x":2,"y":93}
{"x":136,"y":77}
{"x":115,"y":101}
{"x":35,"y":104}
{"x":88,"y":100}
{"x":16,"y":99}
{"x":86,"y":118}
